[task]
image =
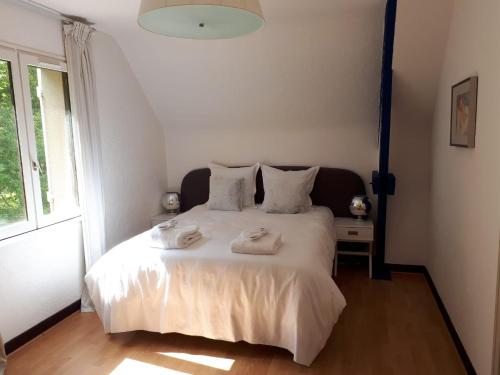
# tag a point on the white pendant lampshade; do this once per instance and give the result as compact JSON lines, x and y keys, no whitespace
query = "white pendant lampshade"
{"x":201,"y":19}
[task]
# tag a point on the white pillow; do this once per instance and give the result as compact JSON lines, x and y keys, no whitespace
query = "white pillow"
{"x":226,"y":194}
{"x":248,"y":174}
{"x":287,"y":192}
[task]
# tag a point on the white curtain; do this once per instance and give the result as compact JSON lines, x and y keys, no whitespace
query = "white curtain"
{"x":85,"y":116}
{"x":3,"y":357}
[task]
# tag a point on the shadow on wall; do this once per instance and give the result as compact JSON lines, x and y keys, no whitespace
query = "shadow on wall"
{"x":410,"y":161}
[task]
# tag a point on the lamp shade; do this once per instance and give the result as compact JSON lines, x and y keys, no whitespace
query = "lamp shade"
{"x":197,"y":19}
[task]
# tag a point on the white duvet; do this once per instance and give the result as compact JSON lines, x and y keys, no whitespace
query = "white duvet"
{"x":287,"y":300}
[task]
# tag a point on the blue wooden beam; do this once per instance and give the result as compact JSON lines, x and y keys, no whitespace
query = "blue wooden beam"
{"x":382,"y":180}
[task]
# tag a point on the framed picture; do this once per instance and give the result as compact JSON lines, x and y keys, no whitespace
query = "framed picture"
{"x":463,"y":113}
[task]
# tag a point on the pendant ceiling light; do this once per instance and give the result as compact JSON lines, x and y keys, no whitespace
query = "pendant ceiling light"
{"x":201,"y":19}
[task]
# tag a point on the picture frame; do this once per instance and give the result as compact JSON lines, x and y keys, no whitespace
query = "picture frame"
{"x":464,"y":113}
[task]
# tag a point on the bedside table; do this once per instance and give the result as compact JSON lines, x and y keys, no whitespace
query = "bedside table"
{"x":161,"y":218}
{"x":353,"y":230}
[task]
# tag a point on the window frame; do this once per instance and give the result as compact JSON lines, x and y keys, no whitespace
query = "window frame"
{"x":25,"y":61}
{"x":35,"y":218}
{"x":9,"y":230}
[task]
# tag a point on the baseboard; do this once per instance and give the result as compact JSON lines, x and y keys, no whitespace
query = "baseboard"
{"x":469,"y":367}
{"x":41,"y":327}
{"x":446,"y":317}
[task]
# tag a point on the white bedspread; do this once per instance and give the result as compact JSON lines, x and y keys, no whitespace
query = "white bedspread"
{"x":287,"y":300}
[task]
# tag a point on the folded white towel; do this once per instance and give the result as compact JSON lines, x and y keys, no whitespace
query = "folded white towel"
{"x":268,"y":244}
{"x":178,"y":237}
{"x":167,"y":224}
{"x":254,"y":234}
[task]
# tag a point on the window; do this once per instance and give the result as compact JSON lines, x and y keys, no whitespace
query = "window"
{"x":38,"y":185}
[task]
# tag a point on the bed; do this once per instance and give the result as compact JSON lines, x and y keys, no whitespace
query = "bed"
{"x":287,"y":300}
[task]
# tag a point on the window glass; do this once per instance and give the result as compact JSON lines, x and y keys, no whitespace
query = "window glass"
{"x":12,"y":195}
{"x":54,"y":140}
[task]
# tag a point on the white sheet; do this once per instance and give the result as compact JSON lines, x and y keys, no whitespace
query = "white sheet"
{"x":287,"y":300}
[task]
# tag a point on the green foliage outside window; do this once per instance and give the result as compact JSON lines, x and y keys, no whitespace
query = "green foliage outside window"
{"x":12,"y":206}
{"x":12,"y":202}
{"x":40,"y":145}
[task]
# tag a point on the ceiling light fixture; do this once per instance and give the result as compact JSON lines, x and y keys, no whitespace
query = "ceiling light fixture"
{"x":201,"y":19}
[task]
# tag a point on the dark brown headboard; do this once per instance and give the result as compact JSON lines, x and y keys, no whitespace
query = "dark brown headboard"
{"x":333,"y":188}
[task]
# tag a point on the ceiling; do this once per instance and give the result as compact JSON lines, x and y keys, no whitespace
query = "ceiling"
{"x":313,"y":60}
{"x":121,"y":15}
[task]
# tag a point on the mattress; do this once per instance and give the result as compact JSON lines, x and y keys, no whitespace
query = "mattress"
{"x":288,"y":300}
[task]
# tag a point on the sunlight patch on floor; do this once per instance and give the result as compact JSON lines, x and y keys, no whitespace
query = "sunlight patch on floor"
{"x":205,"y":360}
{"x":132,"y":367}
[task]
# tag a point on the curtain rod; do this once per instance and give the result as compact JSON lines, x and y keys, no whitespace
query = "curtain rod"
{"x":48,"y":10}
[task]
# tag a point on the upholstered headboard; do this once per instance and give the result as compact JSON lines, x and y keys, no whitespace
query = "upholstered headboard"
{"x":333,"y":188}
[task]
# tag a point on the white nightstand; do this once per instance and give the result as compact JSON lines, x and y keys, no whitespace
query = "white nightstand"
{"x":353,"y":230}
{"x":161,"y":218}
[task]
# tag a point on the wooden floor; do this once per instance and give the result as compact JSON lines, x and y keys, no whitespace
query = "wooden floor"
{"x":389,"y":327}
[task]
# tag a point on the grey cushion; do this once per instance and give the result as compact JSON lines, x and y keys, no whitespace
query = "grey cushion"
{"x":226,"y":194}
{"x":248,"y":174}
{"x":287,"y":192}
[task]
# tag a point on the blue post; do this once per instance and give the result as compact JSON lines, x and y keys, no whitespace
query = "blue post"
{"x":384,"y":182}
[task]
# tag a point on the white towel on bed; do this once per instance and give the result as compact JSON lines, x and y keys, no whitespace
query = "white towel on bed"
{"x":178,"y":237}
{"x":254,"y":234}
{"x":267,"y":244}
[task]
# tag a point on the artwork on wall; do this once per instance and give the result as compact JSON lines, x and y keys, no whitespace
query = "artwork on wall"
{"x":463,"y":113}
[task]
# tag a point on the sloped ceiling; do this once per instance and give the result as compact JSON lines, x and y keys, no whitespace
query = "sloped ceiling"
{"x":309,"y":55}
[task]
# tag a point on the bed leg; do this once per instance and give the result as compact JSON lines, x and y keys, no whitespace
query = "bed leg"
{"x":370,"y":256}
{"x":335,"y":264}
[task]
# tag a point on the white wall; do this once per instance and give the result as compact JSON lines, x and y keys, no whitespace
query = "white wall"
{"x":466,"y":182}
{"x":418,"y":56}
{"x":303,"y":90}
{"x":133,"y":145}
{"x":40,"y":272}
{"x":22,"y":26}
{"x":187,"y":149}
